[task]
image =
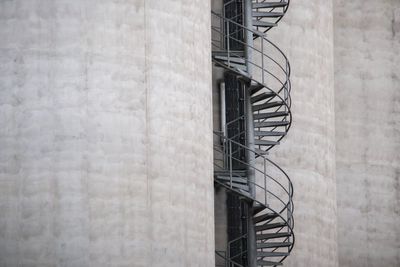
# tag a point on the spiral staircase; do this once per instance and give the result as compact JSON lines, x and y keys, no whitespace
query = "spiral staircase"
{"x":270,"y":191}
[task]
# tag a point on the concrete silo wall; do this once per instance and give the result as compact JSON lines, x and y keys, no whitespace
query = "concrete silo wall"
{"x":106,"y":133}
{"x":367,"y":94}
{"x":308,"y":152}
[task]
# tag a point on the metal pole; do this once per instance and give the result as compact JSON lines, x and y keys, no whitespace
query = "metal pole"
{"x":223,"y":109}
{"x":230,"y":162}
{"x":251,"y":235}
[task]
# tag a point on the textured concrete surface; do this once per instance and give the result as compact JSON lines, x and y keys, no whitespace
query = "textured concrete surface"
{"x":106,"y":144}
{"x":367,"y":92}
{"x":308,"y":152}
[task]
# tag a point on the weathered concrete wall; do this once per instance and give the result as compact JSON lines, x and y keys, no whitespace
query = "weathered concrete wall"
{"x":308,"y":152}
{"x":367,"y":89}
{"x":106,"y":144}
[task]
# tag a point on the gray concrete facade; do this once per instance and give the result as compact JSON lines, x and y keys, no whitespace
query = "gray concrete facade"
{"x":367,"y":108}
{"x":106,"y":133}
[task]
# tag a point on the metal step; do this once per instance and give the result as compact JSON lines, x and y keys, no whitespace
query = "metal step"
{"x":268,"y":14}
{"x":232,"y":53}
{"x":271,"y":254}
{"x":265,"y":217}
{"x":258,"y":208}
{"x":261,"y":152}
{"x":269,"y":226}
{"x":268,"y":133}
{"x":234,"y":65}
{"x":232,"y":59}
{"x":272,"y":236}
{"x":234,"y":179}
{"x":265,"y":143}
{"x":262,"y":96}
{"x":269,"y":5}
{"x":260,"y":23}
{"x":267,"y":105}
{"x":270,"y":124}
{"x":255,"y":87}
{"x":267,"y":115}
{"x":268,"y":263}
{"x":273,"y":245}
{"x":238,"y":186}
{"x":245,"y":193}
{"x":242,"y":173}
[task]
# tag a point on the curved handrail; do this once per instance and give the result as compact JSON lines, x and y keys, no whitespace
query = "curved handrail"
{"x":282,"y":86}
{"x":285,"y":213}
{"x":288,"y":191}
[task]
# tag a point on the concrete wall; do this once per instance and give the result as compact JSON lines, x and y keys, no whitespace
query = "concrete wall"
{"x":106,"y":144}
{"x":308,"y":152}
{"x":367,"y":89}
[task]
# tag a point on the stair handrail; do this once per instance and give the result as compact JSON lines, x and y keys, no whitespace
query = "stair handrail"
{"x":227,"y":144}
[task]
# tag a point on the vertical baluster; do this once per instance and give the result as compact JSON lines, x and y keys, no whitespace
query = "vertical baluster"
{"x":262,"y":58}
{"x":265,"y":180}
{"x":228,"y":43}
{"x":230,"y":162}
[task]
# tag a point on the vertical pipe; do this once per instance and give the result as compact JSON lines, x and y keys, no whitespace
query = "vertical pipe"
{"x":230,"y":162}
{"x":251,"y":244}
{"x":223,"y":109}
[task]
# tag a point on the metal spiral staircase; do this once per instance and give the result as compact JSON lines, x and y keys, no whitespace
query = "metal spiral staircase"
{"x":270,"y":191}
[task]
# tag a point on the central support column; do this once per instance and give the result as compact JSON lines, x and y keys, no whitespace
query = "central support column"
{"x":251,"y":244}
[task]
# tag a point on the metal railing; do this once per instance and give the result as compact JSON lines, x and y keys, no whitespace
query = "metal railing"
{"x":274,"y":189}
{"x":270,"y":66}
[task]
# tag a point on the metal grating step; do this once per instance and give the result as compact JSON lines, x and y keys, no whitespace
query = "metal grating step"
{"x":267,"y":105}
{"x":258,"y":142}
{"x":262,"y":96}
{"x":268,"y":263}
{"x":270,"y":124}
{"x":272,"y":236}
{"x":265,"y":217}
{"x":268,"y":133}
{"x":273,"y":245}
{"x":269,"y":5}
{"x":268,"y":115}
{"x":269,"y":226}
{"x":268,"y":14}
{"x":271,"y":254}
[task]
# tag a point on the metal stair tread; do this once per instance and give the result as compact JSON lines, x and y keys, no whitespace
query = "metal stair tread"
{"x":267,"y":115}
{"x":262,"y":96}
{"x":257,"y":208}
{"x":231,"y":58}
{"x":234,"y":179}
{"x":269,"y":4}
{"x":237,"y":185}
{"x":264,"y":217}
{"x":268,"y":263}
{"x":273,"y":245}
{"x":259,"y":142}
{"x":269,"y":133}
{"x":269,"y":226}
{"x":267,"y":14}
{"x":255,"y":87}
{"x":261,"y":152}
{"x":271,"y":254}
{"x":260,"y":23}
{"x":267,"y":105}
{"x":237,"y":53}
{"x":227,"y":172}
{"x":272,"y":235}
{"x":270,"y":124}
